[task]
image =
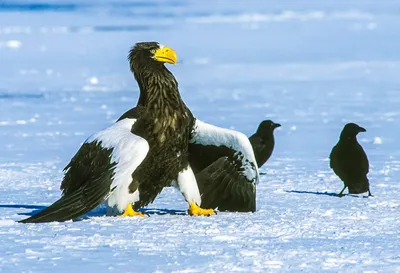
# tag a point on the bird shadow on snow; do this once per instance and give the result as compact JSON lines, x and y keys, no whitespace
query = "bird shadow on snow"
{"x":98,"y":212}
{"x":316,"y":193}
{"x":34,"y":208}
{"x":150,"y":211}
{"x":326,"y":193}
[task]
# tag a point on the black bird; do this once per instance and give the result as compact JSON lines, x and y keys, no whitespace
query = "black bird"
{"x":135,"y":158}
{"x":263,"y":141}
{"x":349,"y":161}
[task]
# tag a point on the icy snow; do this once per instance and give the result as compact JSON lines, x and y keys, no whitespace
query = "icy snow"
{"x":310,"y":65}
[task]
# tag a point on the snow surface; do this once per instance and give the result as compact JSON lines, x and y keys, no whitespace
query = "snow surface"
{"x":310,"y":65}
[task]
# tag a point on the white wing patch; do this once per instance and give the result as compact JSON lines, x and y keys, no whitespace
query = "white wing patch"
{"x":129,"y":151}
{"x":207,"y":134}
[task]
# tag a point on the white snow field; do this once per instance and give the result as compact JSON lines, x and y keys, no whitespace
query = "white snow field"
{"x":310,"y":65}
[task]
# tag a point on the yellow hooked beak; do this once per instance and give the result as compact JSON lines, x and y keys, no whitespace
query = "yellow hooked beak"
{"x":166,"y":55}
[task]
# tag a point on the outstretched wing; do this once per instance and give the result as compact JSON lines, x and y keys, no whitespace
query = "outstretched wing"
{"x":103,"y":166}
{"x":225,"y":167}
{"x":222,"y":185}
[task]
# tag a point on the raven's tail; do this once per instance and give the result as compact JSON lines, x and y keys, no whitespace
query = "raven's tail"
{"x":359,"y":187}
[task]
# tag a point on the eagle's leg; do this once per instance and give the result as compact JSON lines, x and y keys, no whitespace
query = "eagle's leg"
{"x":194,"y":209}
{"x":187,"y":184}
{"x":129,"y":211}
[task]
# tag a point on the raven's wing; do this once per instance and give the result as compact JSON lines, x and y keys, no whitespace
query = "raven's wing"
{"x":336,"y":164}
{"x":262,"y":149}
{"x":103,"y":166}
{"x":225,"y":167}
{"x":363,"y":159}
{"x":349,"y":162}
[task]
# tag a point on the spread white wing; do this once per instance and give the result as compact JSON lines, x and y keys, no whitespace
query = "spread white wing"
{"x":225,"y":167}
{"x":102,"y":168}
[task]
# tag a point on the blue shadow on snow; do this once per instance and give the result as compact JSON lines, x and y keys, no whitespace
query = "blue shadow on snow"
{"x":20,"y":206}
{"x":316,"y":193}
{"x":327,"y":193}
{"x":94,"y":213}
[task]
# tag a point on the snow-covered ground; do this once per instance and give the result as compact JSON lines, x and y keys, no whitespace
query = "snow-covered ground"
{"x":310,"y":65}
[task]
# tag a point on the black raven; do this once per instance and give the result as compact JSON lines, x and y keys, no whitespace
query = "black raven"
{"x":349,"y":161}
{"x":263,"y":141}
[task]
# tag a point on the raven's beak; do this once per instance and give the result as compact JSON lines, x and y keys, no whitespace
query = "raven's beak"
{"x":361,"y":129}
{"x":276,"y":125}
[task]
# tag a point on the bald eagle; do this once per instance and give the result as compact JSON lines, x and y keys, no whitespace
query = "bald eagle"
{"x":131,"y":161}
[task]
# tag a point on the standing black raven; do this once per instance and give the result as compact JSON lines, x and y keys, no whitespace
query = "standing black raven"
{"x":349,"y":161}
{"x":263,"y":141}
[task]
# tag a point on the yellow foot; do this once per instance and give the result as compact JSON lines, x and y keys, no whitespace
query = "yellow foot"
{"x":130,"y":212}
{"x":196,"y":210}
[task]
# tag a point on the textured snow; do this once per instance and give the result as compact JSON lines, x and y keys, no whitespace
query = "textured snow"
{"x":310,"y":65}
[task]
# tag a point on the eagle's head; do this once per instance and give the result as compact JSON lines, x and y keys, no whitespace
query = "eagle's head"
{"x":151,"y":54}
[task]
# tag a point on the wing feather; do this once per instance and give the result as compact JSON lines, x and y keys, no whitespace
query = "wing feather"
{"x":209,"y":135}
{"x":231,"y":173}
{"x":102,"y":168}
{"x":222,"y":188}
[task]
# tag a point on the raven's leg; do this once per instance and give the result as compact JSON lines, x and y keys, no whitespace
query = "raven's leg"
{"x":369,"y":193}
{"x":341,"y":192}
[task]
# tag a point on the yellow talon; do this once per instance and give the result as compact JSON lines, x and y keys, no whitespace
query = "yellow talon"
{"x":129,"y":211}
{"x":194,"y":209}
